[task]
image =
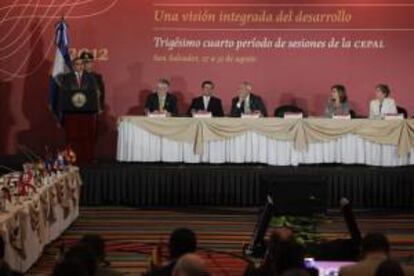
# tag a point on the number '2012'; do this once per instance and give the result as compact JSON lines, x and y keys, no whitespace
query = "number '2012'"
{"x":101,"y":54}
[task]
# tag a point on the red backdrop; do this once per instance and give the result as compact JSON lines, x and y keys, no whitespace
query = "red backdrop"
{"x":123,"y":35}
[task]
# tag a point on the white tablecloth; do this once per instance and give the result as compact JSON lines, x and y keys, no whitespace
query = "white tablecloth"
{"x":29,"y":227}
{"x":138,"y":145}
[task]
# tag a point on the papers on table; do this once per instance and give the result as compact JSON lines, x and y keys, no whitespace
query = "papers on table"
{"x":157,"y":115}
{"x":202,"y":115}
{"x":398,"y":116}
{"x":250,"y":115}
{"x":342,"y":117}
{"x":293,"y":115}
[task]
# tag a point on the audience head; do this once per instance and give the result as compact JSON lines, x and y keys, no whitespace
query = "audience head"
{"x":374,"y":243}
{"x":87,"y":58}
{"x":162,"y":87}
{"x":78,"y":65}
{"x":289,"y":254}
{"x":338,"y":93}
{"x":190,"y":265}
{"x":389,"y":267}
{"x":382,"y":91}
{"x":70,"y":268}
{"x":282,"y":234}
{"x":83,"y":254}
{"x":182,"y":241}
{"x":96,"y":244}
{"x":208,"y":88}
{"x":284,"y":253}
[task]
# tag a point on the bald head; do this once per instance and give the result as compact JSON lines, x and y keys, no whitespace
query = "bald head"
{"x":190,"y":265}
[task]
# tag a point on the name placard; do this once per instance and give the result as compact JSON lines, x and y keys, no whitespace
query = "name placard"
{"x":250,"y":115}
{"x":157,"y":115}
{"x":202,"y":115}
{"x":293,"y":115}
{"x":342,"y":117}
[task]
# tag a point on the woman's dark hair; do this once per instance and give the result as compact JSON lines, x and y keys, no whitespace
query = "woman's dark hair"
{"x":96,"y":244}
{"x":341,"y":92}
{"x":182,"y":241}
{"x":83,"y":254}
{"x":70,"y":268}
{"x":374,"y":242}
{"x":385,"y":89}
{"x":389,"y":267}
{"x":204,"y":83}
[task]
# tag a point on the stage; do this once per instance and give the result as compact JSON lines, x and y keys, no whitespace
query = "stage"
{"x":179,"y":185}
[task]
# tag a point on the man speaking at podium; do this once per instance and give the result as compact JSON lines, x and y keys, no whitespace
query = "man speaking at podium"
{"x":88,"y":62}
{"x":80,"y":102}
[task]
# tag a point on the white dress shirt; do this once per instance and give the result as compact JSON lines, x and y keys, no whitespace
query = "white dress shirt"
{"x":379,"y":109}
{"x":206,"y":100}
{"x":246,"y":103}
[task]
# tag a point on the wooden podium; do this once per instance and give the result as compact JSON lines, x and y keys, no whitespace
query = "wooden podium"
{"x":80,"y":109}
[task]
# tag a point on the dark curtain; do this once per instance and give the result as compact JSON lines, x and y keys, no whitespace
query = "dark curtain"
{"x":160,"y":184}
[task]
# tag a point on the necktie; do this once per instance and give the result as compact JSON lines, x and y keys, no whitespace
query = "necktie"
{"x":380,"y":107}
{"x":79,"y":79}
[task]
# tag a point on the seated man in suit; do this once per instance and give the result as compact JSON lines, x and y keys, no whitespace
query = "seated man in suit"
{"x":247,"y":102}
{"x":207,"y":102}
{"x":161,"y":101}
{"x":375,"y":249}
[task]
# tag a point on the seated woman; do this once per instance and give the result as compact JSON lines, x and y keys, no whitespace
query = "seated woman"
{"x":383,"y":104}
{"x":338,"y":102}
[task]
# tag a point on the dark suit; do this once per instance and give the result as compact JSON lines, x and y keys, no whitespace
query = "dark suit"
{"x":70,"y":82}
{"x":256,"y":104}
{"x":89,"y":85}
{"x":214,"y":106}
{"x":170,"y":105}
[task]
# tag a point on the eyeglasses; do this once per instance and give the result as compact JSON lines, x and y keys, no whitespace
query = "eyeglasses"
{"x":78,"y":63}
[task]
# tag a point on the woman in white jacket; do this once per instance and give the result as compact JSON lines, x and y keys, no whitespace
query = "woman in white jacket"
{"x":383,"y":104}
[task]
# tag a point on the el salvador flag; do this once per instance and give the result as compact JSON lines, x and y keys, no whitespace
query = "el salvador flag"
{"x":62,"y":64}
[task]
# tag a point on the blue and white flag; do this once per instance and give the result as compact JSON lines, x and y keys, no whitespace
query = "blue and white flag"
{"x":62,"y":64}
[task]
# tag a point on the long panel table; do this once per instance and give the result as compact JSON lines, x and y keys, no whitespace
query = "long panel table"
{"x":272,"y":141}
{"x":29,"y":226}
